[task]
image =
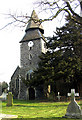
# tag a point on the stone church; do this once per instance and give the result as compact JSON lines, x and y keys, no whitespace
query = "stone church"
{"x":31,"y":46}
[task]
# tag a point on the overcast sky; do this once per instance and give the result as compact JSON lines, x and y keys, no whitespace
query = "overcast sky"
{"x":10,"y":36}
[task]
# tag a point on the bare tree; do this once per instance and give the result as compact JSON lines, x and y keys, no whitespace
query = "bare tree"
{"x":54,"y":7}
{"x":62,"y":6}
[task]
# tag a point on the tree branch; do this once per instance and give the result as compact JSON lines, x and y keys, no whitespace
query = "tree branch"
{"x":7,"y":25}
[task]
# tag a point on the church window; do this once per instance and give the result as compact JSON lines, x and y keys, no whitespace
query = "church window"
{"x":30,"y":56}
{"x":17,"y":82}
{"x":29,"y":74}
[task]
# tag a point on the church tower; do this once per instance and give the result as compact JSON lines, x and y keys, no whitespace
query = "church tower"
{"x":31,"y":47}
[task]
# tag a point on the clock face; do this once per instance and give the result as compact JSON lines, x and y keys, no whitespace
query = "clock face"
{"x":30,"y":43}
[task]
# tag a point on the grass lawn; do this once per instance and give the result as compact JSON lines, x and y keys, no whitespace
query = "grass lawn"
{"x":37,"y":110}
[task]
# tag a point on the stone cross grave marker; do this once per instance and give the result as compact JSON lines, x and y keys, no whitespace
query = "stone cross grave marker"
{"x":73,"y":109}
{"x":73,"y":94}
{"x":58,"y":96}
{"x":10,"y":99}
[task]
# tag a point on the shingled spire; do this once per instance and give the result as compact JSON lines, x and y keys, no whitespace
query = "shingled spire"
{"x":34,"y":23}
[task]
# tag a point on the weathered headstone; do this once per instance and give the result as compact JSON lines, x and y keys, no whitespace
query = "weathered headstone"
{"x":73,"y":110}
{"x":58,"y":96}
{"x":10,"y":99}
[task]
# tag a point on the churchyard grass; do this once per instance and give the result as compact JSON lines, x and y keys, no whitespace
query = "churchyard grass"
{"x":37,"y":110}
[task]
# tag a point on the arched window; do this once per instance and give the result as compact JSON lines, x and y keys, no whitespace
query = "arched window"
{"x":29,"y":74}
{"x":17,"y":83}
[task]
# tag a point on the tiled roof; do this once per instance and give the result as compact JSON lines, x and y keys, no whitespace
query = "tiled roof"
{"x":32,"y":34}
{"x":34,"y":29}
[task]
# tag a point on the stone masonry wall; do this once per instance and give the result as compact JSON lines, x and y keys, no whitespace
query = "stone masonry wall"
{"x":29,"y":63}
{"x":35,"y":51}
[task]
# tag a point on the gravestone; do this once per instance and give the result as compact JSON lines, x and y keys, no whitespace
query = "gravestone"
{"x":10,"y":99}
{"x":58,"y":96}
{"x":73,"y":91}
{"x":73,"y":110}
